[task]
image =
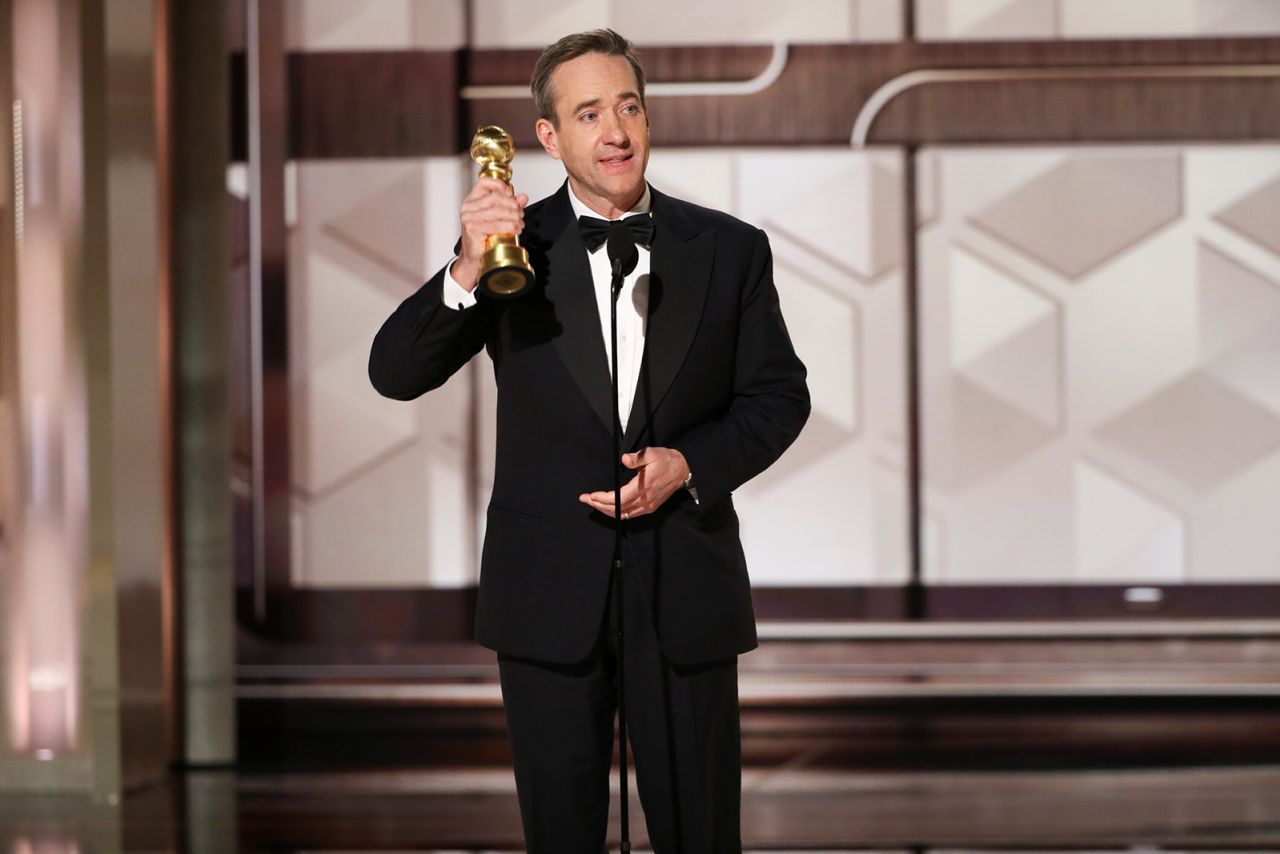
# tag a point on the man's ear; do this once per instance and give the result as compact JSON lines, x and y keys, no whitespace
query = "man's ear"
{"x":547,"y":136}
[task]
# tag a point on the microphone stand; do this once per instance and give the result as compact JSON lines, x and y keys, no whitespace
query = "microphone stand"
{"x":615,"y":288}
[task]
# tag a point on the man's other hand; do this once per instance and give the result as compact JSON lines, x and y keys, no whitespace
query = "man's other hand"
{"x":659,"y":473}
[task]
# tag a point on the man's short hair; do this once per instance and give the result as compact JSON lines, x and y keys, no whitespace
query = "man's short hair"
{"x":606,"y":42}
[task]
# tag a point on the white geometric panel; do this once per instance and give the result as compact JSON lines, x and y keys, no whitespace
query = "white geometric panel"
{"x":518,"y":24}
{"x":1252,"y":367}
{"x":1151,"y":18}
{"x":985,"y":19}
{"x":330,"y":191}
{"x":341,"y":25}
{"x":386,"y":225}
{"x":703,"y":177}
{"x":1013,"y":528}
{"x":878,"y":20}
{"x":1122,"y":535}
{"x":1257,"y":215}
{"x":340,"y":423}
{"x":855,"y":231}
{"x":1133,"y":328}
{"x":1196,"y":430}
{"x":734,"y":21}
{"x":890,"y":561}
{"x":537,"y":174}
{"x":987,"y":307}
{"x":445,"y":432}
{"x":1025,"y":371}
{"x":1148,"y":394}
{"x":969,"y":180}
{"x":366,"y":235}
{"x":823,"y":329}
{"x":1087,"y":210}
{"x":1216,"y":177}
{"x":336,"y":312}
{"x":329,"y":24}
{"x":972,"y":435}
{"x":1236,"y":537}
{"x":790,"y":544}
{"x":1094,"y":19}
{"x":928,"y":186}
{"x":1237,"y":17}
{"x":1169,"y":18}
{"x":445,"y":181}
{"x":370,"y":531}
{"x":836,"y":468}
{"x":1235,"y":302}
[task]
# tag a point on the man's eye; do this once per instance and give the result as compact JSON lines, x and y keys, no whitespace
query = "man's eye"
{"x":631,"y":109}
{"x":588,"y":117}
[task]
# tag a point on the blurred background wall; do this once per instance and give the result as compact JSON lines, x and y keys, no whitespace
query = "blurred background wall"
{"x":115,"y":502}
{"x":1028,"y":249}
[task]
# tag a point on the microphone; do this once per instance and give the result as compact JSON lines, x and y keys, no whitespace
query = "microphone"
{"x":623,"y":255}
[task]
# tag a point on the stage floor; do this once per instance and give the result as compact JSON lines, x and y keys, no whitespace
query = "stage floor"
{"x":1106,"y":746}
{"x":785,"y":808}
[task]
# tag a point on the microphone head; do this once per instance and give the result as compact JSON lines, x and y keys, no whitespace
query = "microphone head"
{"x":621,"y":246}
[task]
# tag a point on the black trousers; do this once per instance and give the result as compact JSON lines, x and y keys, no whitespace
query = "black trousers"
{"x":682,"y":724}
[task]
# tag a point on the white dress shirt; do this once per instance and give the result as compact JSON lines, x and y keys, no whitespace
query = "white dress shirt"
{"x":633,"y":305}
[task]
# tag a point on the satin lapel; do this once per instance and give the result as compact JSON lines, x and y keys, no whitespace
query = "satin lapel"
{"x":572,"y":315}
{"x":679,"y":274}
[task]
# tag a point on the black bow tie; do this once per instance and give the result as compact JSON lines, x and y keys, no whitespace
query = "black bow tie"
{"x":596,"y":231}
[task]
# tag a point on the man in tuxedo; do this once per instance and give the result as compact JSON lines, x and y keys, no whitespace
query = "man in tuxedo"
{"x":710,"y":393}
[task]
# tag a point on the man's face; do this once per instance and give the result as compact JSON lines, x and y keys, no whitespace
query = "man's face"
{"x":603,"y":132}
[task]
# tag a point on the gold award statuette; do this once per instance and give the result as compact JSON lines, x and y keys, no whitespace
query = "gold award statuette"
{"x":505,"y":269}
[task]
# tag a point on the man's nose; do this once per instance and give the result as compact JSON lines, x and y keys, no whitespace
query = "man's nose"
{"x":614,"y":132}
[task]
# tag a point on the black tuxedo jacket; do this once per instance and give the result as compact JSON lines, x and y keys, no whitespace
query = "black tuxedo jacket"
{"x":720,"y":381}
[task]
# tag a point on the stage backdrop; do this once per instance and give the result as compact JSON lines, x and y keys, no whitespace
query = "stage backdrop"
{"x":1040,"y":304}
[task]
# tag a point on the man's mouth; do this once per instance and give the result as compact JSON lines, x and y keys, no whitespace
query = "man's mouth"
{"x":615,"y":161}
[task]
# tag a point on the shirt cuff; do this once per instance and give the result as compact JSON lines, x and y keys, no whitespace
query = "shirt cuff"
{"x":454,"y":295}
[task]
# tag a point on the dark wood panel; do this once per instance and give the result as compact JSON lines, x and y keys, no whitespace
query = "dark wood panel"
{"x":418,"y":615}
{"x":1101,"y":602}
{"x":267,"y":181}
{"x":819,"y":94}
{"x":374,"y":104}
{"x":238,"y":113}
{"x":362,"y":104}
{"x":823,"y":87}
{"x":321,"y":735}
{"x":362,"y":616}
{"x":407,"y":103}
{"x":399,"y":616}
{"x":1093,"y":111}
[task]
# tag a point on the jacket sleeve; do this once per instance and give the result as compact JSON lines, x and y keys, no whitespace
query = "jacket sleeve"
{"x":424,"y":342}
{"x":770,"y":399}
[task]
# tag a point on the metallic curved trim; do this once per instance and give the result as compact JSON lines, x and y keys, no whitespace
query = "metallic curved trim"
{"x":771,"y":689}
{"x":766,"y":78}
{"x":19,"y":183}
{"x":257,"y":416}
{"x":1020,"y":629}
{"x":1246,"y":672}
{"x":927,"y":76}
